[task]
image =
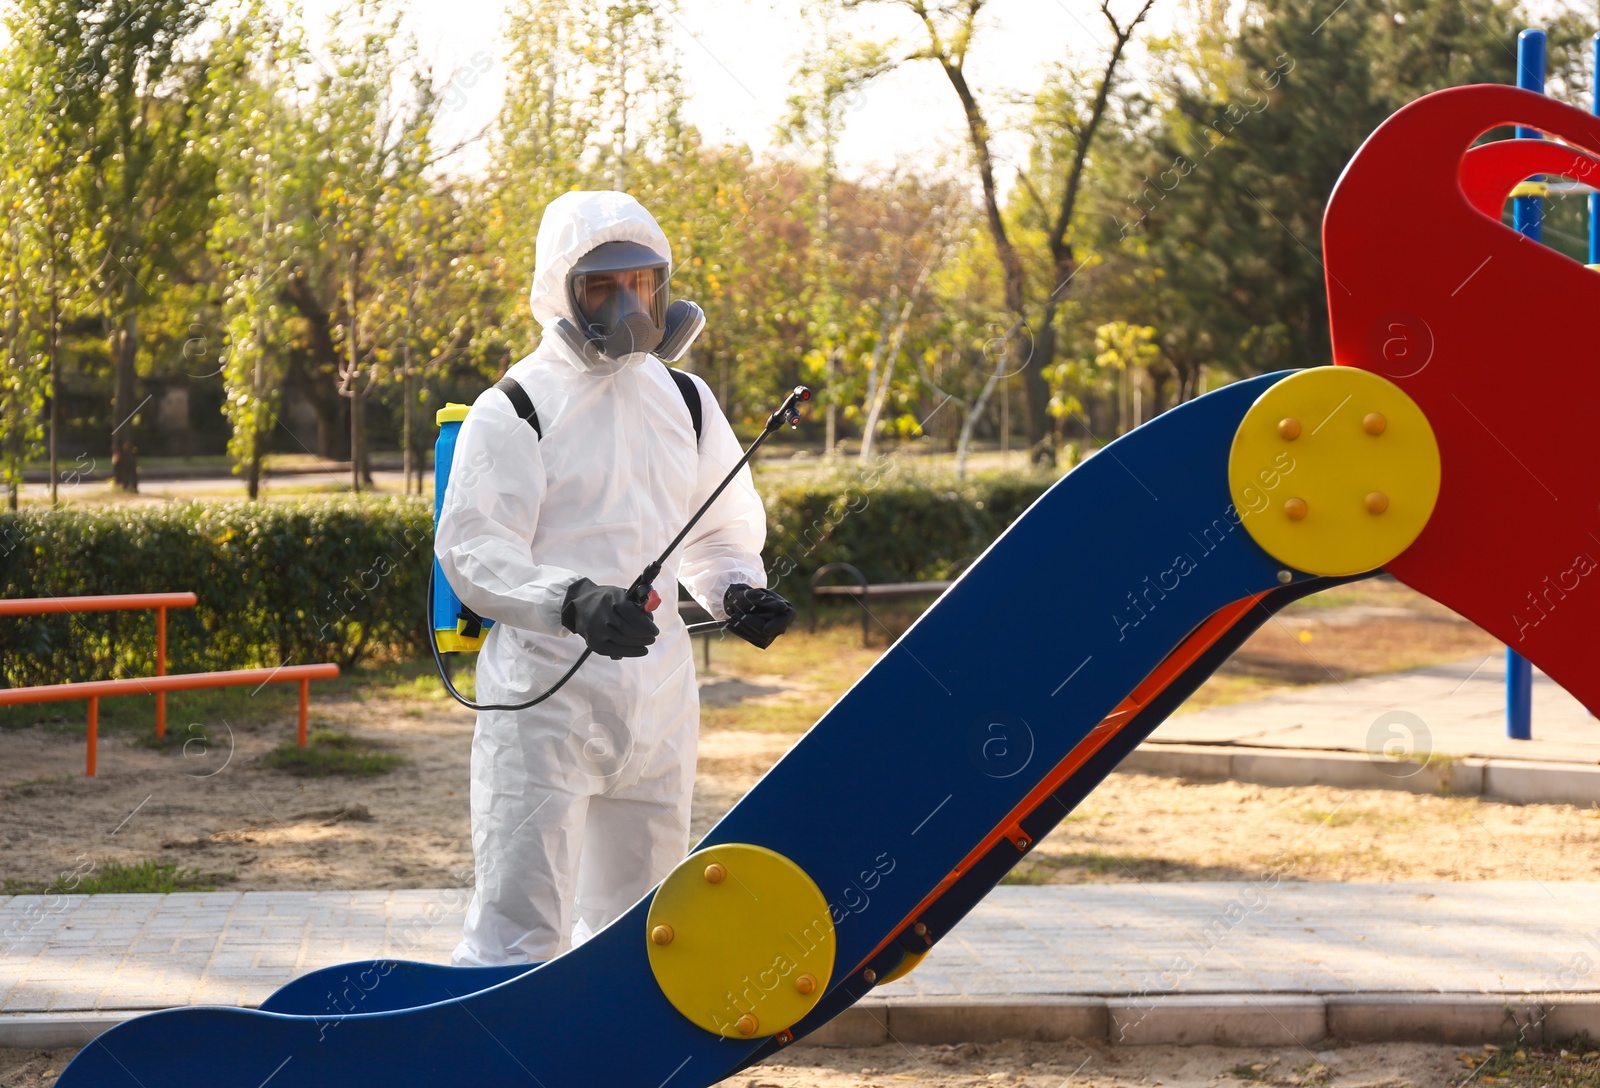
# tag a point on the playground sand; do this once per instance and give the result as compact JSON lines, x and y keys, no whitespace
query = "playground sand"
{"x":1067,"y":1065}
{"x":1047,"y":1065}
{"x":216,"y":810}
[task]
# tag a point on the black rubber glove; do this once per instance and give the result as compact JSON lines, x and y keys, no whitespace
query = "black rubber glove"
{"x":756,"y":615}
{"x":605,"y":619}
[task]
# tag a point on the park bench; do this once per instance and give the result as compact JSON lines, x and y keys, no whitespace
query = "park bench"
{"x":158,"y":685}
{"x":693,"y":614}
{"x":862,"y":591}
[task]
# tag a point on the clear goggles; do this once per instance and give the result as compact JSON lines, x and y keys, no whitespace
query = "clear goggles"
{"x":602,"y":298}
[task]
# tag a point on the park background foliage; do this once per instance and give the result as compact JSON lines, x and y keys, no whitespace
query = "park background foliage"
{"x":213,"y":193}
{"x":316,"y":580}
{"x":195,"y":193}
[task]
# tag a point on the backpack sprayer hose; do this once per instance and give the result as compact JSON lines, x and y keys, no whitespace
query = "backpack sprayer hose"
{"x":639,"y":593}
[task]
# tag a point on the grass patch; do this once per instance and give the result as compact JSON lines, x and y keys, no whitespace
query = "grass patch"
{"x":330,"y":753}
{"x":44,"y":780}
{"x":1095,"y":867}
{"x":1572,"y":1064}
{"x":1224,"y":689}
{"x":177,"y":736}
{"x":1312,"y":1073}
{"x":1347,"y":815}
{"x":787,"y":717}
{"x":114,"y":877}
{"x":822,"y":666}
{"x":416,"y":681}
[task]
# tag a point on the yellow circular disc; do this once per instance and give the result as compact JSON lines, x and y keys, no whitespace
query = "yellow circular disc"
{"x":741,"y":942}
{"x":1355,"y":486}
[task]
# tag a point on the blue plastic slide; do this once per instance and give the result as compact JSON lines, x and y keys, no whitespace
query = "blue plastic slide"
{"x":995,"y":714}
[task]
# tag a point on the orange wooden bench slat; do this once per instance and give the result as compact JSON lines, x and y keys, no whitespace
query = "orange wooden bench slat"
{"x":110,"y":602}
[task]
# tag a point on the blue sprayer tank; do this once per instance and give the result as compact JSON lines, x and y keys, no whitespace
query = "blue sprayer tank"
{"x":454,"y":630}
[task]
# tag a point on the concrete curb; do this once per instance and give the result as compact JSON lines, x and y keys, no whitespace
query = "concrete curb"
{"x":1220,"y":1020}
{"x":1172,"y":1020}
{"x":1522,"y":782}
{"x":49,"y":1030}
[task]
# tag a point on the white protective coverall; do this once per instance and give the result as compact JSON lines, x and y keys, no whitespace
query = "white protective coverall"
{"x":580,"y":805}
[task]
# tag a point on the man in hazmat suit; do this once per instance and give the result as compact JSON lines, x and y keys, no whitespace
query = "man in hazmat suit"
{"x":566,"y":482}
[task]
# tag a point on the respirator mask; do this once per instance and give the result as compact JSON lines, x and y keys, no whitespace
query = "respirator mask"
{"x":618,"y":293}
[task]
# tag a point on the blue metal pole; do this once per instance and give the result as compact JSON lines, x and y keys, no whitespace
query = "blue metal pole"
{"x":1528,"y":211}
{"x":1527,"y":216}
{"x":1594,"y":198}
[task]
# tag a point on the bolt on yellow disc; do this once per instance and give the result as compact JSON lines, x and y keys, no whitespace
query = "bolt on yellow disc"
{"x":1335,"y":471}
{"x":740,"y":940}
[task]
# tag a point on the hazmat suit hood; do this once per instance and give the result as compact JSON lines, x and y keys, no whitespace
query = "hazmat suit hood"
{"x":573,"y":224}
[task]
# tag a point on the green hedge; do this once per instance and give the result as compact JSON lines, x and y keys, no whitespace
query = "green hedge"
{"x":337,"y":579}
{"x":318,"y":580}
{"x":891,"y":523}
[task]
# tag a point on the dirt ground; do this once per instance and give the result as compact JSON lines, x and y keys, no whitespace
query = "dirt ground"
{"x":1067,"y":1065}
{"x":1046,"y":1065}
{"x":208,"y":802}
{"x":220,"y":810}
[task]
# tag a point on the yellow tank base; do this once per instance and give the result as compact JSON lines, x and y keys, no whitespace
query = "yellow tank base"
{"x":454,"y":642}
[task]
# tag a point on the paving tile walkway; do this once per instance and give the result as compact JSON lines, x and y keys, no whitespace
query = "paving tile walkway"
{"x":1460,"y":707}
{"x":104,"y":953}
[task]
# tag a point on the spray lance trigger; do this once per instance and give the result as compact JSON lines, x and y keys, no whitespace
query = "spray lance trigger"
{"x":789,"y":411}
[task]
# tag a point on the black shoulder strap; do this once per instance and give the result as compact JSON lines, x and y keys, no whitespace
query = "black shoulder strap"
{"x":522,"y":404}
{"x":691,"y":397}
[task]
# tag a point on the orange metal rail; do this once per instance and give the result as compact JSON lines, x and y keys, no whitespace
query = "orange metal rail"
{"x":95,"y":690}
{"x":114,"y":602}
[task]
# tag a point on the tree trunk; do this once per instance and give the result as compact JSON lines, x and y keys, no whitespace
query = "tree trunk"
{"x":14,"y":485}
{"x":831,"y":433}
{"x":354,"y":377}
{"x":1036,"y":391}
{"x":355,"y":436}
{"x":405,"y":434}
{"x":55,"y":374}
{"x":884,"y":373}
{"x":405,"y":425}
{"x":1160,"y":378}
{"x":321,"y":391}
{"x":975,"y":414}
{"x":124,"y":360}
{"x":315,"y":379}
{"x":1187,"y":373}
